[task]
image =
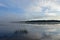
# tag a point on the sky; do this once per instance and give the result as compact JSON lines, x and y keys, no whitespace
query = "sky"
{"x":16,"y":10}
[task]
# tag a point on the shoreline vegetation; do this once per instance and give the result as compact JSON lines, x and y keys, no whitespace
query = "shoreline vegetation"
{"x":39,"y":22}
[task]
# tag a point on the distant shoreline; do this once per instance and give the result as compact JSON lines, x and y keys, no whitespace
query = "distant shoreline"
{"x":40,"y":22}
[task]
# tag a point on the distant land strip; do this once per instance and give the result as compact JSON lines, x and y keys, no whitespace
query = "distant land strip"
{"x":40,"y":22}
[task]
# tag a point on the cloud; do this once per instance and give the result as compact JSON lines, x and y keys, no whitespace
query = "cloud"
{"x":18,"y":3}
{"x":50,"y":14}
{"x":2,"y":5}
{"x":48,"y":8}
{"x":33,"y":9}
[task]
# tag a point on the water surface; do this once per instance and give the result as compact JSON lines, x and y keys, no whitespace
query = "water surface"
{"x":35,"y":30}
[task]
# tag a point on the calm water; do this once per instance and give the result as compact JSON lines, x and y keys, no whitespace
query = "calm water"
{"x":33,"y":29}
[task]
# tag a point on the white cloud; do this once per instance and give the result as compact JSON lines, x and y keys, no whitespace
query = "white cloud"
{"x":50,"y":14}
{"x":48,"y":8}
{"x":39,"y":9}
